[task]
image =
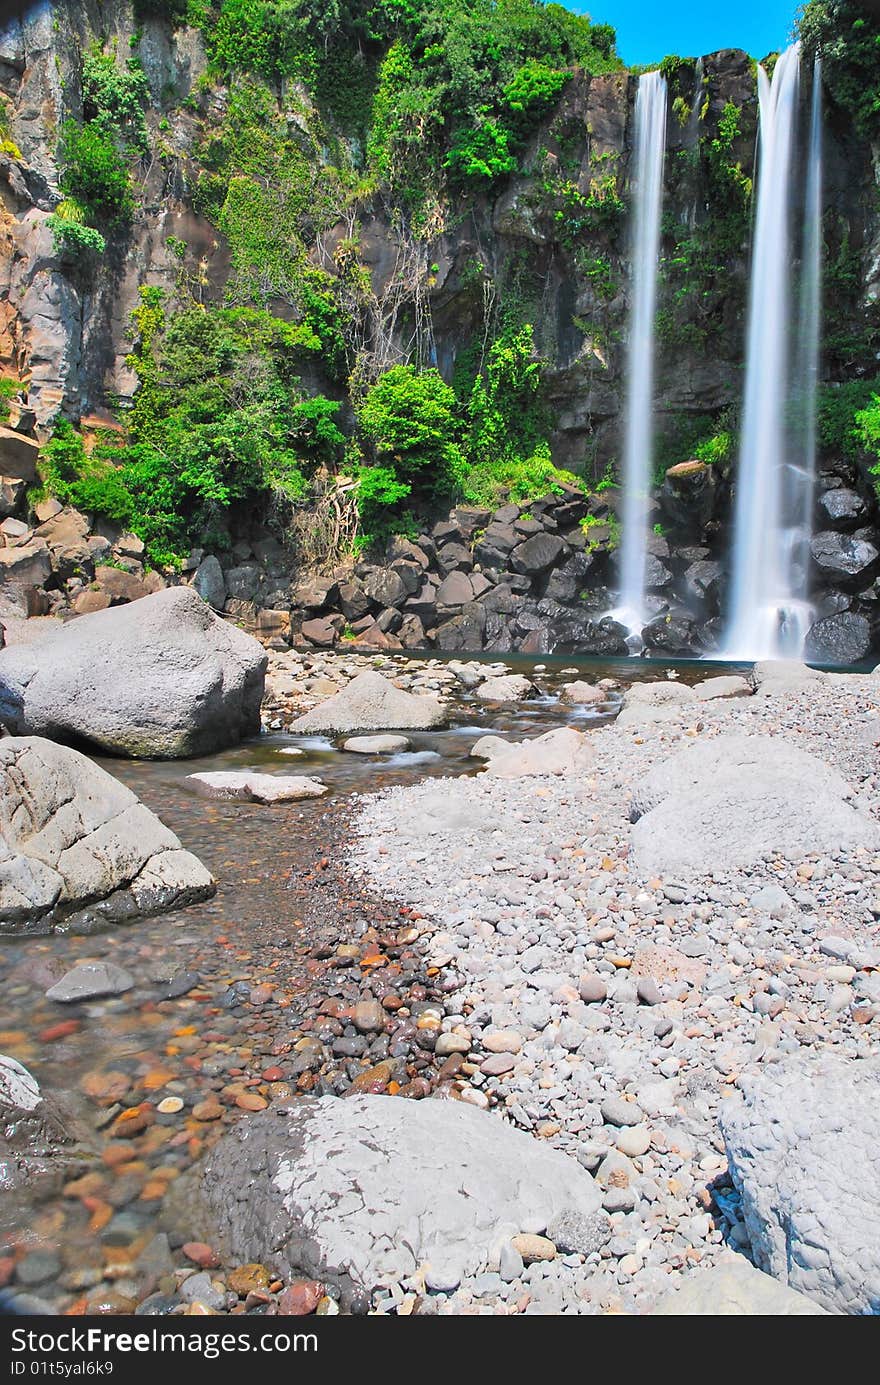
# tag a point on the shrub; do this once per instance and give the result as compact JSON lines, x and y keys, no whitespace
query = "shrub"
{"x":95,"y":173}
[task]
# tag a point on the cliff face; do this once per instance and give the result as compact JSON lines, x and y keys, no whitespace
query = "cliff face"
{"x":69,"y":329}
{"x":550,"y":243}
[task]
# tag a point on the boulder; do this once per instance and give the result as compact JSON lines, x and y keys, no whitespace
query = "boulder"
{"x":455,"y":590}
{"x":510,"y":687}
{"x":844,"y":560}
{"x":454,"y":557}
{"x":371,"y":703}
{"x":843,"y":639}
{"x":731,"y":802}
{"x":843,"y":508}
{"x":77,"y":847}
{"x":210,"y":583}
{"x":487,"y":746}
{"x":12,"y":493}
{"x":464,"y":631}
{"x":687,"y":496}
{"x":703,"y":761}
{"x":538,"y":554}
{"x":560,"y":751}
{"x":305,"y":1188}
{"x":255,"y":788}
{"x":735,"y":1289}
{"x":67,"y":537}
{"x":243,"y":582}
{"x":802,"y":1150}
{"x":164,"y":679}
{"x":658,"y":693}
{"x":118,"y":586}
{"x":582,"y":694}
{"x":376,"y":745}
{"x":671,"y":632}
{"x":28,"y":565}
{"x":320,"y":632}
{"x":18,"y":455}
{"x":385,"y":588}
{"x":728,"y":685}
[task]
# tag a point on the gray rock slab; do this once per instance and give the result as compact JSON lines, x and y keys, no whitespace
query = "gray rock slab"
{"x":89,"y":980}
{"x":363,"y":1191}
{"x":72,"y":837}
{"x":802,"y":1150}
{"x":734,"y":805}
{"x":735,"y":1289}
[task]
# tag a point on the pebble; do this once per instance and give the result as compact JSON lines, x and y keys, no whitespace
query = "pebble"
{"x":533,"y":1248}
{"x":616,"y":1111}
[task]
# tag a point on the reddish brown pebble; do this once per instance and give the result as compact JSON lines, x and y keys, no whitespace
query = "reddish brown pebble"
{"x":246,"y":1279}
{"x":250,"y":1101}
{"x":272,"y":1075}
{"x":300,"y":1298}
{"x":200,"y":1254}
{"x":208,"y":1110}
{"x":59,"y":1031}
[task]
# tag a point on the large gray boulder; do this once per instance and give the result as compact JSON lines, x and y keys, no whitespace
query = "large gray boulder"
{"x":78,"y":848}
{"x":364,"y":1191}
{"x":735,"y":1289}
{"x":695,"y":768}
{"x":563,"y":750}
{"x":802,"y":1150}
{"x":731,"y":802}
{"x":372,"y":703}
{"x":161,"y":678}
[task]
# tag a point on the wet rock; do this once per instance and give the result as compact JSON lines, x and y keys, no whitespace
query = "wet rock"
{"x":73,"y":836}
{"x":846,"y":638}
{"x":843,"y":508}
{"x":509,"y":687}
{"x":162,"y":679}
{"x":844,"y":560}
{"x":255,"y":788}
{"x":90,"y":980}
{"x":376,"y":745}
{"x":40,"y":1144}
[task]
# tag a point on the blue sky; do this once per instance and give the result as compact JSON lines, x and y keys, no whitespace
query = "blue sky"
{"x":647,"y":30}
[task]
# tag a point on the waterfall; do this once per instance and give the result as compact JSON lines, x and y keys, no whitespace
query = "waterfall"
{"x":770,"y":613}
{"x":650,"y":143}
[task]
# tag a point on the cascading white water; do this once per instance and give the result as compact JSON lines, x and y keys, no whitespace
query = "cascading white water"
{"x":650,"y":145}
{"x":770,"y":614}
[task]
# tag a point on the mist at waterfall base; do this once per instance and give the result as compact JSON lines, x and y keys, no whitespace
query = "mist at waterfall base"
{"x":769,"y":613}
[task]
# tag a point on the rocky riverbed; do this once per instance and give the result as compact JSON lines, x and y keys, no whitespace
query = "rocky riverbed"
{"x":609,"y":1010}
{"x":475,"y":935}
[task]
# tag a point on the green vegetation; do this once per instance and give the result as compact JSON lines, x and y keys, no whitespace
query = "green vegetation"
{"x":695,"y":269}
{"x":849,"y":423}
{"x":219,"y":419}
{"x":846,"y":35}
